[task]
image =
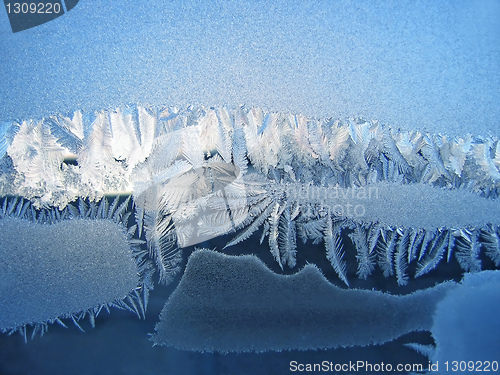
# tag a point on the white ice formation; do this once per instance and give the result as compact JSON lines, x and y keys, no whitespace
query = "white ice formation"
{"x":408,"y":201}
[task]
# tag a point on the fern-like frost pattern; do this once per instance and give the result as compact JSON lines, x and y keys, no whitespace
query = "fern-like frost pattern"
{"x":404,"y":198}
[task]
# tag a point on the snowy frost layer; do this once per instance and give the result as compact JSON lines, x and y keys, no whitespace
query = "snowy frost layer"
{"x":407,"y":199}
{"x":67,"y":264}
{"x":227,"y":303}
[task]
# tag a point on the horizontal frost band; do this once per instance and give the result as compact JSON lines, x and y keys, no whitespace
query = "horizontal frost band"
{"x":436,"y":196}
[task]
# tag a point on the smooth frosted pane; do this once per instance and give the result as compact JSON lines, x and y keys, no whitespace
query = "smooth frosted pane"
{"x":226,"y":303}
{"x":466,"y":324}
{"x":50,"y":271}
{"x":431,"y":64}
{"x":407,"y":205}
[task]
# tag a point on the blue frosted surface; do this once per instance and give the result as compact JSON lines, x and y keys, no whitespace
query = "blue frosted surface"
{"x":416,"y":65}
{"x":432,"y":65}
